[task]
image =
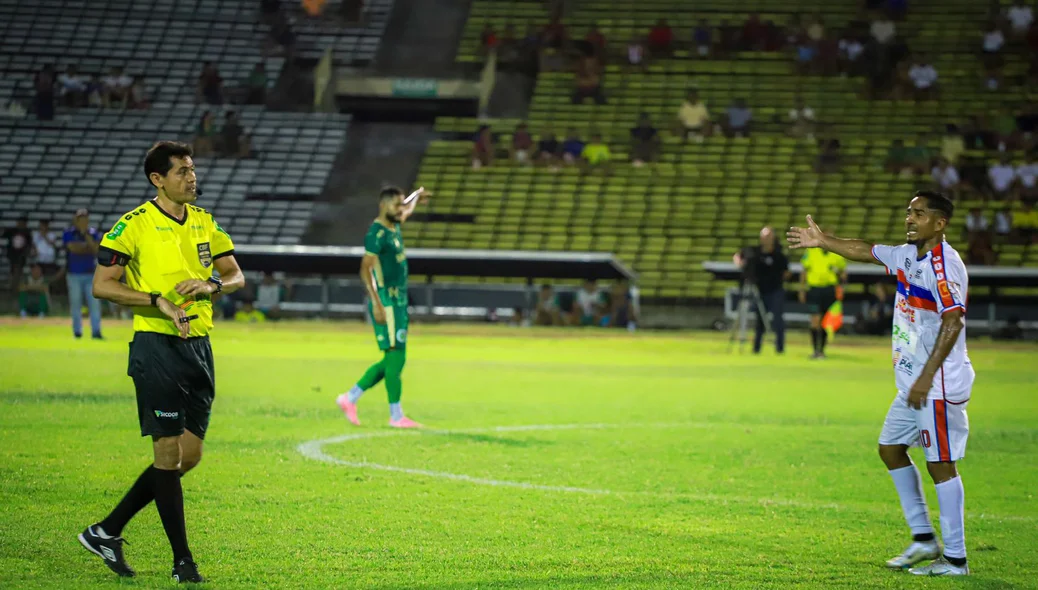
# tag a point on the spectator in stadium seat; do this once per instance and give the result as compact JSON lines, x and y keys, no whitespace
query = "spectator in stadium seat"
{"x":46,"y":244}
{"x":233,"y":140}
{"x":34,"y":293}
{"x":991,"y":43}
{"x":801,"y":119}
{"x":18,"y":242}
{"x":256,"y":85}
{"x":1027,"y":178}
{"x":137,"y":97}
{"x":546,"y":312}
{"x":95,"y":92}
{"x":920,"y":156}
{"x":588,"y":81}
{"x":596,"y":153}
{"x":522,"y":144}
{"x":883,"y":30}
{"x":693,"y":117}
{"x":248,"y":314}
{"x":924,"y":79}
{"x":754,"y":34}
{"x":483,"y":148}
{"x":619,"y":308}
{"x":210,"y":85}
{"x":1001,"y":178}
{"x":555,"y":36}
{"x":828,"y":48}
{"x":1020,"y":16}
{"x":645,"y":141}
{"x":775,"y":37}
{"x":806,"y":55}
{"x":830,"y":159}
{"x":73,"y":87}
{"x":661,"y":39}
{"x":979,"y":250}
{"x":588,"y":309}
{"x":952,"y":144}
{"x":1004,"y":125}
{"x":976,"y":223}
{"x":739,"y":118}
{"x":636,"y":54}
{"x":549,"y":150}
{"x":44,"y":88}
{"x":572,"y":147}
{"x":815,"y":29}
{"x":851,"y":50}
{"x":1003,"y":223}
{"x":977,"y":136}
{"x":1026,"y":224}
{"x":897,"y":161}
{"x":205,"y":135}
{"x":597,"y":41}
{"x":727,"y":37}
{"x":946,"y":177}
{"x":703,"y":38}
{"x":117,"y":87}
{"x":897,"y":9}
{"x":488,"y":40}
{"x":280,"y":39}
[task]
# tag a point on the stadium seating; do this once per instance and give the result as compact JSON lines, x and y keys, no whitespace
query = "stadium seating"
{"x":93,"y":159}
{"x":703,"y":200}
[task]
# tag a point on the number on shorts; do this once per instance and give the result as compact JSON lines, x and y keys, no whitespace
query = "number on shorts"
{"x":924,"y":438}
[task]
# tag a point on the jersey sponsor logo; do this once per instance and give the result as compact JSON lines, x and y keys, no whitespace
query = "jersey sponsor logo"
{"x":165,"y":414}
{"x":116,"y":231}
{"x":401,"y":335}
{"x":163,"y":228}
{"x":905,"y":309}
{"x":905,"y":365}
{"x":401,"y":257}
{"x":901,"y":336}
{"x":205,"y":256}
{"x":197,"y":227}
{"x":942,"y":281}
{"x":908,"y":264}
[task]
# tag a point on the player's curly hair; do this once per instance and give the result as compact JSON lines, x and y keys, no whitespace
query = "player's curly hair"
{"x":158,"y":158}
{"x":938,"y":202}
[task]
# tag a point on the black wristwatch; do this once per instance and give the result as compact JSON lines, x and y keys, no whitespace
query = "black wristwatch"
{"x":217,"y":282}
{"x":155,"y":298}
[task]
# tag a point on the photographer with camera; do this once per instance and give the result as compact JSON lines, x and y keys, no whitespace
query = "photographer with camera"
{"x":765,"y":269}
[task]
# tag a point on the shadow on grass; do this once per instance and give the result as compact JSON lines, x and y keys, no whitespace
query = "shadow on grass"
{"x":53,"y":397}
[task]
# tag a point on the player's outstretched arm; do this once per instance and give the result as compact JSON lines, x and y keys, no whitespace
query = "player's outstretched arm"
{"x":813,"y":237}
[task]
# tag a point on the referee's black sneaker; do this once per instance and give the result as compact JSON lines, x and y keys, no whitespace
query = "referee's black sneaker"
{"x":186,"y":572}
{"x":110,"y":549}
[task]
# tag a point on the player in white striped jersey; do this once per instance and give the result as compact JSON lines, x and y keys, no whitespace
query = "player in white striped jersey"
{"x":932,"y":372}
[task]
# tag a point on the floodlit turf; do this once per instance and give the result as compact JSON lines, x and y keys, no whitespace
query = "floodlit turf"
{"x":659,"y":462}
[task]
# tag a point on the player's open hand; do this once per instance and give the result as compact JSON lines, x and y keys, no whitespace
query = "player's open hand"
{"x":805,"y":237}
{"x":191,"y":287}
{"x":180,"y":319}
{"x":920,"y":389}
{"x":379,"y":313}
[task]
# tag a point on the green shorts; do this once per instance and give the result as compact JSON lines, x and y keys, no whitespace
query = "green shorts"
{"x":393,"y":333}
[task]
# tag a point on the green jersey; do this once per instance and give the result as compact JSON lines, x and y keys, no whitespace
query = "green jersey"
{"x":391,"y":269}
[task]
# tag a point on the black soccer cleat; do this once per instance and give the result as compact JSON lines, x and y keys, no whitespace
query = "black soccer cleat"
{"x":186,"y":572}
{"x":110,"y":550}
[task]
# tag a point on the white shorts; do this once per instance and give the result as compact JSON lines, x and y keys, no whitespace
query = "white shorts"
{"x":941,"y":427}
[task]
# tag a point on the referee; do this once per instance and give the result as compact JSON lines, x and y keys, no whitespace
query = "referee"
{"x":167,"y":249}
{"x":823,"y":271}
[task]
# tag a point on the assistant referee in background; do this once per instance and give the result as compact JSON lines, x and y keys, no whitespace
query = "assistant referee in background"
{"x":167,"y":249}
{"x":822,"y":274}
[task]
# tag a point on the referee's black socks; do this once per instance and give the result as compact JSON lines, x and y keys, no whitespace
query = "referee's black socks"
{"x":169,"y":499}
{"x":815,"y":340}
{"x":139,"y":496}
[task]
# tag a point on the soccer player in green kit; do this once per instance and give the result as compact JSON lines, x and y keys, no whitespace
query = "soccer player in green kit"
{"x":384,"y":273}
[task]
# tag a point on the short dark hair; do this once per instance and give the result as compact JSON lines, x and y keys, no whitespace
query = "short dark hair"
{"x":160,"y":154}
{"x":938,"y":202}
{"x":389,"y":192}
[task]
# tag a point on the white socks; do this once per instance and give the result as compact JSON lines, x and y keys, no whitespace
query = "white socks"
{"x":910,"y":489}
{"x":354,"y":394}
{"x":952,"y":500}
{"x":396,"y":412}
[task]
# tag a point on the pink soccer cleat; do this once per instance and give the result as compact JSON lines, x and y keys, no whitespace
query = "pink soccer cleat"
{"x":348,"y":408}
{"x":404,"y":422}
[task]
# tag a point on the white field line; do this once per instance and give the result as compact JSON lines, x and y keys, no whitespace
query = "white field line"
{"x":314,"y":449}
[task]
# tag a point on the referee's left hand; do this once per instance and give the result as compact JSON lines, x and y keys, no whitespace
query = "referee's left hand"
{"x":194,"y":287}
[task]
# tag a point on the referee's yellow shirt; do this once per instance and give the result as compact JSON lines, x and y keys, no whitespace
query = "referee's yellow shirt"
{"x":160,"y":251}
{"x":822,"y":268}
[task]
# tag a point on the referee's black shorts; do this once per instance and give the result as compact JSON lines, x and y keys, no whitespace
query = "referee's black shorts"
{"x":820,"y":299}
{"x":175,"y":383}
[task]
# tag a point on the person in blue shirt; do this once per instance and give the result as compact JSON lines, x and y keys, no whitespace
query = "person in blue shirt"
{"x":82,"y":241}
{"x":572,"y":147}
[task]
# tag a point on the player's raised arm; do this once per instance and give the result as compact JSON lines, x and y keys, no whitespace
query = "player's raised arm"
{"x":411,"y":202}
{"x":813,"y":237}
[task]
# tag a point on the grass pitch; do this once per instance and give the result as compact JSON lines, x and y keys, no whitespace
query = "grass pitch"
{"x":563,"y":459}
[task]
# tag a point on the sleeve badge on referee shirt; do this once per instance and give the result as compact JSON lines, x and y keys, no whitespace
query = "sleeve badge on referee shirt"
{"x":205,"y":256}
